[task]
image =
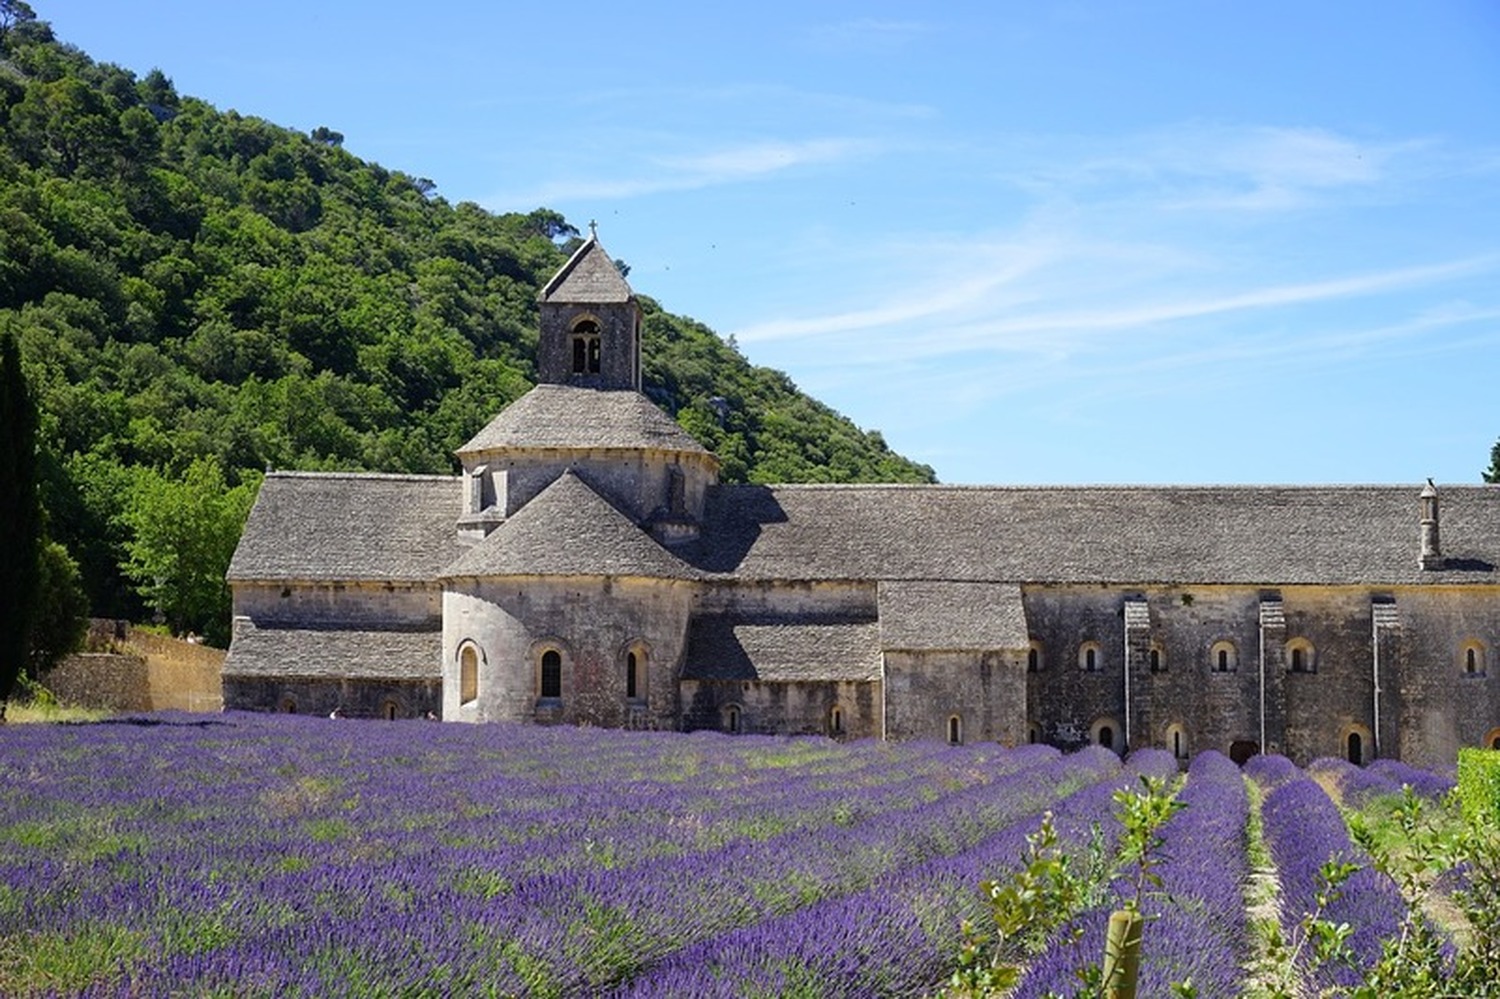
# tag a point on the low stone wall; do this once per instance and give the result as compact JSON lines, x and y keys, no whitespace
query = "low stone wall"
{"x":101,"y":680}
{"x":139,"y":672}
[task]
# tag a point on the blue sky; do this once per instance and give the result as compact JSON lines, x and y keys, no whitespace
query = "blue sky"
{"x":1212,"y":242}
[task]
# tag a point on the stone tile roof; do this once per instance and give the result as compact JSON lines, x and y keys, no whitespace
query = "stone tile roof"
{"x":566,"y":416}
{"x":288,"y":653}
{"x":569,"y":530}
{"x":1257,"y":535}
{"x":729,"y":647}
{"x":943,"y":616}
{"x":346,"y":526}
{"x":589,"y":277}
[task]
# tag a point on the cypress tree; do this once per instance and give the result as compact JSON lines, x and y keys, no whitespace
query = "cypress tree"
{"x":20,"y":517}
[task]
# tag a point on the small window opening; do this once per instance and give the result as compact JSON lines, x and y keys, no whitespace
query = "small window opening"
{"x":1091,"y":660}
{"x":1107,"y":736}
{"x":1356,"y":748}
{"x":551,"y":673}
{"x":1299,"y":661}
{"x":632,"y":688}
{"x":1223,"y":660}
{"x":389,"y":710}
{"x":1033,"y":733}
{"x":1222,"y":657}
{"x":732,"y":718}
{"x":1156,"y":660}
{"x":836,"y":721}
{"x":955,"y":730}
{"x":1033,"y":661}
{"x":1177,"y":745}
{"x":288,"y":706}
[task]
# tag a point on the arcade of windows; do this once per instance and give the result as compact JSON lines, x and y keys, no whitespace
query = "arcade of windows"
{"x":586,"y":347}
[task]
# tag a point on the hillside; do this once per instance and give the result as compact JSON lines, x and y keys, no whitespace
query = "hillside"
{"x":199,"y":291}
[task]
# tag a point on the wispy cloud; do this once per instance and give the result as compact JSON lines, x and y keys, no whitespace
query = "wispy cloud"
{"x":1206,"y":167}
{"x":692,"y":171}
{"x":865,"y":34}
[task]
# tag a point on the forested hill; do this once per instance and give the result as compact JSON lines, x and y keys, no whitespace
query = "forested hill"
{"x":198,"y":291}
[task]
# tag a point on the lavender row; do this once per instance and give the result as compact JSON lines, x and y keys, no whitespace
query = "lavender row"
{"x":898,"y":937}
{"x":228,"y":846}
{"x":571,"y":933}
{"x":1196,"y":927}
{"x":1303,"y":830}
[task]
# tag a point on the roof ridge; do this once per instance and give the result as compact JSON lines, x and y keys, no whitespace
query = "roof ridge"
{"x":388,"y":476}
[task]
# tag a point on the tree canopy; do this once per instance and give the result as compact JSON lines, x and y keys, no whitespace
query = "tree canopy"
{"x":20,"y":518}
{"x":191,"y":287}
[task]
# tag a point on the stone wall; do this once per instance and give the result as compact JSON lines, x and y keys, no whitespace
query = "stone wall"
{"x":102,"y":681}
{"x":593,"y":624}
{"x":309,"y":605}
{"x":985,"y":691}
{"x":350,"y":698}
{"x":792,"y":708}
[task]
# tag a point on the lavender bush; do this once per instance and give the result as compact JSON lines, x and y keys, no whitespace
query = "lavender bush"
{"x":1196,"y":927}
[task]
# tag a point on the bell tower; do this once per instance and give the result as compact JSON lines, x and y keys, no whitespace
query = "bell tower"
{"x":590,"y":333}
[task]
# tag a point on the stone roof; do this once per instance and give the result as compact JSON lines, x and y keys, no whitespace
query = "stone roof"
{"x":348,"y":526}
{"x":1256,"y":535}
{"x":943,"y":616}
{"x":589,"y":277}
{"x":730,"y":647}
{"x":289,"y":653}
{"x":569,"y":530}
{"x":574,"y":418}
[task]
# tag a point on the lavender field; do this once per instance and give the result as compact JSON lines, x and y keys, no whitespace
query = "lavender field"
{"x":254,"y":855}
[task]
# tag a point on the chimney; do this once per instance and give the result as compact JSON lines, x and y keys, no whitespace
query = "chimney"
{"x":1432,"y":549}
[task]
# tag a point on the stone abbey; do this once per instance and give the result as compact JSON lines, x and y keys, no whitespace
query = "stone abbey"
{"x":587,"y":567}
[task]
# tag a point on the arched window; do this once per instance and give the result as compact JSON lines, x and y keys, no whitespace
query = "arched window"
{"x":1223,"y":658}
{"x":732,"y":718}
{"x":836,"y":721}
{"x":1357,"y":744}
{"x":1301,"y":657}
{"x":635,"y":678}
{"x":1158,"y":659}
{"x":551,"y":678}
{"x":1105,"y":732}
{"x":585,"y":347}
{"x":1033,"y":733}
{"x":468,"y":675}
{"x":1472,"y":658}
{"x":288,"y":706}
{"x":955,"y":730}
{"x":1089,"y":657}
{"x":1177,"y":741}
{"x":1034,"y":657}
{"x":389,"y":710}
{"x":1492,"y":741}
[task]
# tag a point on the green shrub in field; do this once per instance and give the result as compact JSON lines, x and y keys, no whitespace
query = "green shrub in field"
{"x":1479,"y":784}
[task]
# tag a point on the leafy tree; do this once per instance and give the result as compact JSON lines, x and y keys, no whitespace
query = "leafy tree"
{"x":20,"y":517}
{"x":185,"y":531}
{"x":61,"y":617}
{"x":13,"y":13}
{"x":1492,"y":474}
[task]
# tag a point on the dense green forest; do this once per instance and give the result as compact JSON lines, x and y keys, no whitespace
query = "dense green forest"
{"x":199,"y":296}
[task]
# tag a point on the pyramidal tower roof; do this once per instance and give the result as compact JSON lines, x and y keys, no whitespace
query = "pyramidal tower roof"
{"x":589,"y":277}
{"x":569,"y":530}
